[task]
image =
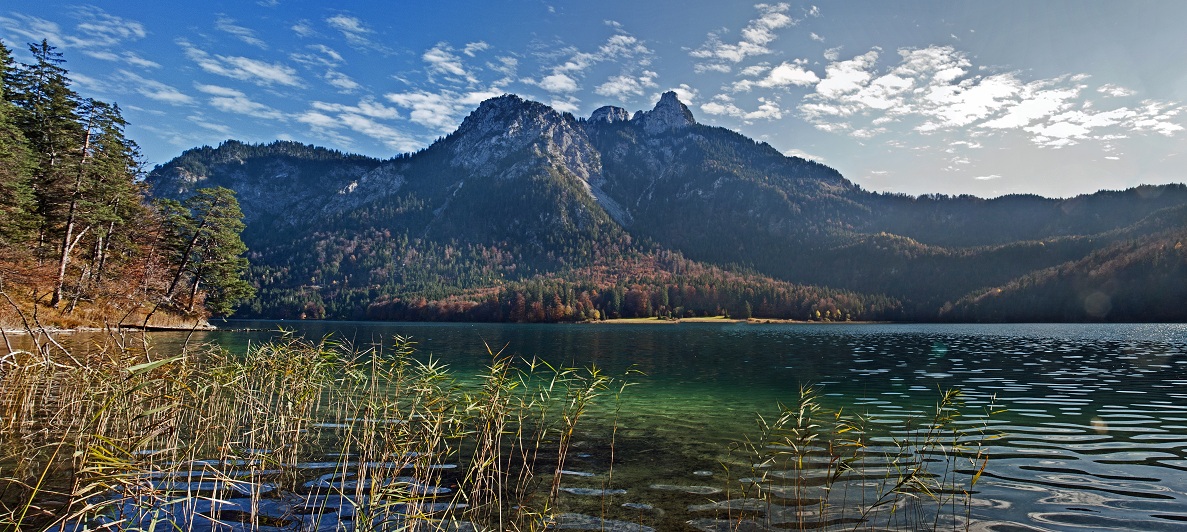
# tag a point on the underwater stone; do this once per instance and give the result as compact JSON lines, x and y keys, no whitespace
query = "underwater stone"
{"x":593,"y":491}
{"x":571,"y":521}
{"x":643,"y":507}
{"x":695,"y":490}
{"x":726,"y":525}
{"x":752,"y":505}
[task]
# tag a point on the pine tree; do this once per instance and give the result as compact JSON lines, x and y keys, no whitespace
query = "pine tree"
{"x":16,"y":165}
{"x":47,"y":114}
{"x":208,"y":247}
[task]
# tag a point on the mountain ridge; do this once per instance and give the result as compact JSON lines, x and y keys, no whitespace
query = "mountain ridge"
{"x":524,"y":193}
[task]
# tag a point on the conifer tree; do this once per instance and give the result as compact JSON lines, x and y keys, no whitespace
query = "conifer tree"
{"x":47,"y":114}
{"x":209,"y":250}
{"x":16,"y":193}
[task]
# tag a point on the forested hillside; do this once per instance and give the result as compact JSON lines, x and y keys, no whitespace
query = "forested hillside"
{"x":79,"y":242}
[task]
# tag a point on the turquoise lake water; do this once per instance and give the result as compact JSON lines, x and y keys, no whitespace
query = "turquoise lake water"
{"x":1094,"y":433}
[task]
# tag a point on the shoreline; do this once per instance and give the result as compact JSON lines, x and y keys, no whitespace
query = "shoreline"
{"x":722,"y":319}
{"x":90,"y":329}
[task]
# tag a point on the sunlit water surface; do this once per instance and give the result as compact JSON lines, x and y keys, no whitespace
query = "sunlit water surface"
{"x":1095,"y":423}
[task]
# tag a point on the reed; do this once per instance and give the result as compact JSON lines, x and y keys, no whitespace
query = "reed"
{"x":296,"y":433}
{"x":819,"y":469}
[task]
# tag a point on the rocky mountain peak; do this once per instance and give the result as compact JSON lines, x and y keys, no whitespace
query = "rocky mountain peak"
{"x":610,"y":113}
{"x":669,"y":113}
{"x":507,"y":125}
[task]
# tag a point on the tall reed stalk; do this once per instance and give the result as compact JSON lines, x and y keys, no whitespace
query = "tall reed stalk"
{"x":295,"y":434}
{"x":815,"y":468}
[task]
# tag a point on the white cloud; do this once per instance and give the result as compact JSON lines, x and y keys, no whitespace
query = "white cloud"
{"x":701,"y":68}
{"x":328,"y":120}
{"x":98,"y":29}
{"x":442,"y":60}
{"x":784,"y":75}
{"x":624,"y":86}
{"x":833,"y":54}
{"x":475,"y":47}
{"x":367,"y":107}
{"x":565,"y":104}
{"x":202,"y":122}
{"x":937,"y":89}
{"x":1035,"y":102}
{"x":987,"y":177}
{"x":125,"y":57}
{"x":558,"y":83}
{"x":217,"y":90}
{"x":32,"y":29}
{"x":845,"y":77}
{"x":507,"y":67}
{"x":723,"y":105}
{"x":623,"y":45}
{"x":563,"y":78}
{"x":815,"y":37}
{"x":247,"y":35}
{"x":443,"y":110}
{"x":804,"y":155}
{"x":232,"y":101}
{"x":153,"y":89}
{"x":684,"y":92}
{"x":1115,"y":91}
{"x":341,"y":81}
{"x":243,"y":68}
{"x":96,"y":33}
{"x":355,"y":31}
{"x":757,"y":34}
{"x":322,"y":55}
{"x":348,"y":25}
{"x":303,"y":29}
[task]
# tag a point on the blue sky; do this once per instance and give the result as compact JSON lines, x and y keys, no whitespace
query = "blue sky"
{"x":1056,"y":98}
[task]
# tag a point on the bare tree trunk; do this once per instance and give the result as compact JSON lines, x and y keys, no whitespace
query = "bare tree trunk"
{"x":185,"y":259}
{"x":71,"y":214}
{"x":194,"y":293}
{"x":104,"y":248}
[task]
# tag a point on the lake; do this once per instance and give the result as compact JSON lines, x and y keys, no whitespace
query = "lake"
{"x":1094,"y":433}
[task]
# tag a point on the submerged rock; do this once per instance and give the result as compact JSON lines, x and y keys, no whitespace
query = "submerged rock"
{"x":727,"y":525}
{"x":339,"y":482}
{"x":750,"y":505}
{"x":695,"y":490}
{"x":776,"y":514}
{"x":593,"y":491}
{"x":571,"y":521}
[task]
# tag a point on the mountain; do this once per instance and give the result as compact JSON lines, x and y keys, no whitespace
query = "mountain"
{"x":529,"y":214}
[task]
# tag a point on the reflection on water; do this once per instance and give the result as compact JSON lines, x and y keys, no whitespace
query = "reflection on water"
{"x":1096,"y":419}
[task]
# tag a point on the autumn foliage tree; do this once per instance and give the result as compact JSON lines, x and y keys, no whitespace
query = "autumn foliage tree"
{"x":75,"y":228}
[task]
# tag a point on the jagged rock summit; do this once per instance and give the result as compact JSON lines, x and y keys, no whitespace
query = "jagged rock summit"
{"x":610,"y":113}
{"x":669,"y":113}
